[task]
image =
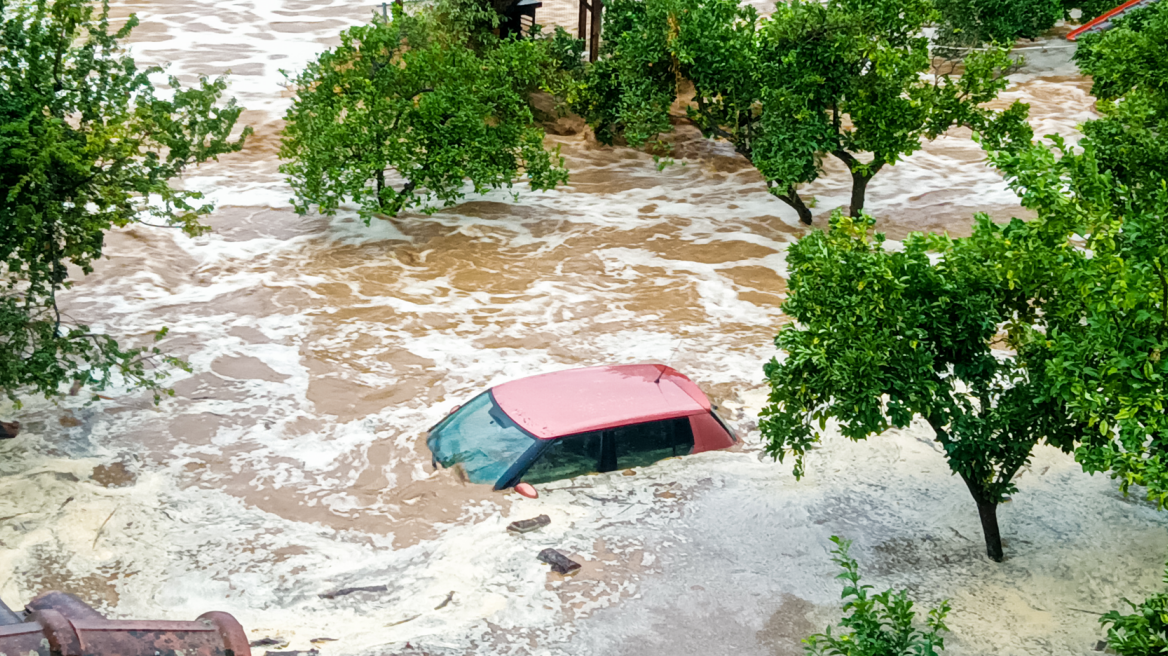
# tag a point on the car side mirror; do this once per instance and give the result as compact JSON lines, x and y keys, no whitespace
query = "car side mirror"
{"x":527,"y":490}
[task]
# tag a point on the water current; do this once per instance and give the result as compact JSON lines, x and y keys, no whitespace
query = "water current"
{"x":289,"y":464}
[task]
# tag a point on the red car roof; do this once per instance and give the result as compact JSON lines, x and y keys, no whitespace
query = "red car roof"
{"x":593,"y":398}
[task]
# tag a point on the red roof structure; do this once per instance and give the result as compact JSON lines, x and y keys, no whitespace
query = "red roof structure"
{"x":1103,"y":22}
{"x":594,"y":398}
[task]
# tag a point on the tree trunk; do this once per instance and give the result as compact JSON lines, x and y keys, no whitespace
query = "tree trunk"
{"x":859,"y":189}
{"x":792,"y":199}
{"x":860,"y":179}
{"x":988,"y":511}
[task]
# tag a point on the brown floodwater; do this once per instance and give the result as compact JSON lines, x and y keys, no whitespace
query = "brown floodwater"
{"x":291,"y":460}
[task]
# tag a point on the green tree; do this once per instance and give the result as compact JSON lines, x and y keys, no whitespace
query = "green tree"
{"x":1128,"y":65}
{"x":972,"y":23}
{"x":878,"y":624}
{"x":1145,"y":631}
{"x":416,"y":98}
{"x":841,"y":78}
{"x":86,"y":145}
{"x":882,"y":336}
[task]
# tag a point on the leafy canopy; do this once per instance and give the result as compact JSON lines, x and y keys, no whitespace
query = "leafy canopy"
{"x":879,"y":624}
{"x":1129,"y":68}
{"x":841,"y":78}
{"x":1096,"y":257}
{"x":1094,"y":260}
{"x":972,"y":23}
{"x":412,"y":98}
{"x":86,"y":145}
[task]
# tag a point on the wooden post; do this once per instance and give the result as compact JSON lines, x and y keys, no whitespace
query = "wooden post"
{"x":591,"y":37}
{"x":594,"y":45}
{"x":582,"y":32}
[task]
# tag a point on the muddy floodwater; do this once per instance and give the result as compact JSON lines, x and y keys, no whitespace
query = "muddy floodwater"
{"x":289,"y":464}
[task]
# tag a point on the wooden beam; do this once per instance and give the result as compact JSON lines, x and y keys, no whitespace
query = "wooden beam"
{"x":594,"y":47}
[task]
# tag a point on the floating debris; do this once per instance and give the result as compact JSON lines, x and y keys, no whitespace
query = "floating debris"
{"x":560,"y":563}
{"x":345,"y":591}
{"x":529,"y":525}
{"x":446,"y":601}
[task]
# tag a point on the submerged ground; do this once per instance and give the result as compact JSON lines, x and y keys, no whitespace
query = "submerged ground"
{"x":289,"y":464}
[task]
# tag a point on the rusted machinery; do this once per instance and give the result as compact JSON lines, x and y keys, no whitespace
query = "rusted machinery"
{"x":59,"y":624}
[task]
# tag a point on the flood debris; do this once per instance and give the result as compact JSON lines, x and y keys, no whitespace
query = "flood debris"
{"x":310,"y":652}
{"x":9,"y":429}
{"x":560,"y":563}
{"x":269,"y":642}
{"x":445,"y":601}
{"x":529,"y":525}
{"x":346,"y":591}
{"x":408,"y":619}
{"x":316,"y":640}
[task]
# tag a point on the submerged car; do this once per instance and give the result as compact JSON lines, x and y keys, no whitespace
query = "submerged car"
{"x":579,"y":421}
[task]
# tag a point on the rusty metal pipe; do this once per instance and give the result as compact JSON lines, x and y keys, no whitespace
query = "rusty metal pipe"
{"x":62,"y":625}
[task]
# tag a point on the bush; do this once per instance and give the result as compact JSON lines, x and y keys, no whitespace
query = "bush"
{"x":880,"y":624}
{"x":971,"y":23}
{"x":1128,"y":65}
{"x":1091,"y":8}
{"x":416,"y":99}
{"x":1144,"y":632}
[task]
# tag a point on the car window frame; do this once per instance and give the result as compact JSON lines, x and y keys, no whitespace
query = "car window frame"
{"x":725,"y":425}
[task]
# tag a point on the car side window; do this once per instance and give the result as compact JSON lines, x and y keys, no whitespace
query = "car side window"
{"x":565,"y":458}
{"x":644,"y":444}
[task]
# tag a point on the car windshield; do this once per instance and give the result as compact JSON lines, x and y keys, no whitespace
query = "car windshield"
{"x":480,"y":437}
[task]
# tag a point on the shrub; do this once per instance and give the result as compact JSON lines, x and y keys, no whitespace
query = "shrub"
{"x":971,"y":23}
{"x":1144,"y":632}
{"x":877,"y":624}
